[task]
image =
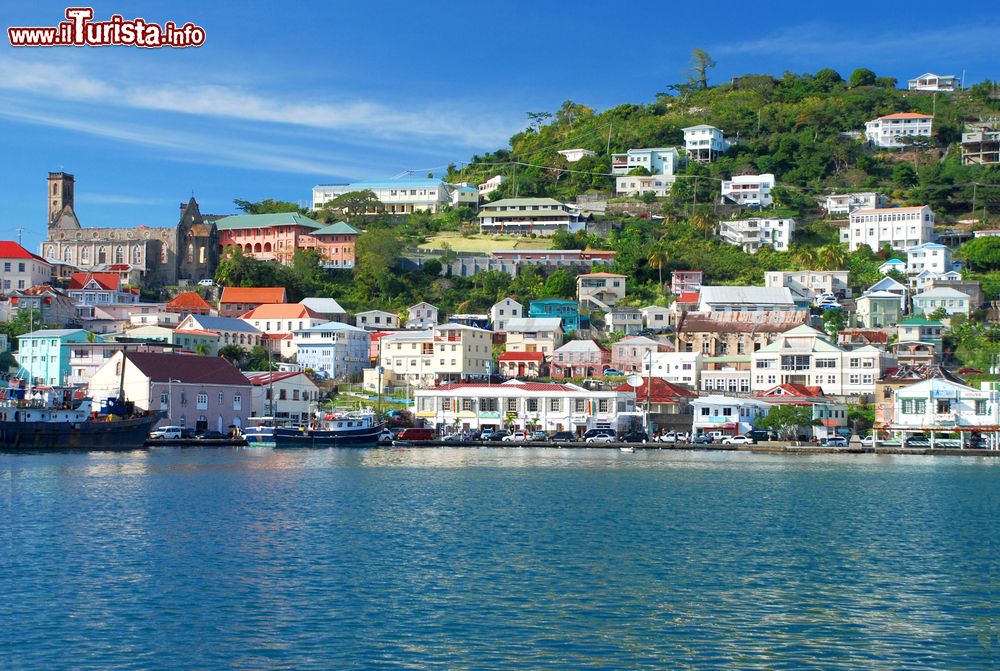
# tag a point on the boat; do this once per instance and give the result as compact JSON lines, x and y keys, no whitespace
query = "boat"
{"x":59,"y":418}
{"x":358,"y":428}
{"x":630,"y":450}
{"x":259,"y":431}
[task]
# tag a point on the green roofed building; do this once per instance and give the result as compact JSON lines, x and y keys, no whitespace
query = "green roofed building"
{"x":524,"y":216}
{"x":275,"y":237}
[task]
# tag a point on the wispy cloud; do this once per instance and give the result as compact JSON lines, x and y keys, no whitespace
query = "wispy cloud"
{"x":67,"y":81}
{"x":869,"y":43}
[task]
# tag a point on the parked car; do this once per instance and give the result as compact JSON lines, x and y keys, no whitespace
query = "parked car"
{"x":188,"y":432}
{"x":516,"y":437}
{"x":539,"y":436}
{"x":385,"y":437}
{"x":590,"y":433}
{"x":635,"y":437}
{"x":486,"y":434}
{"x":563,"y":437}
{"x":612,"y":371}
{"x":167,"y":433}
{"x":498,"y":435}
{"x":457,"y":437}
{"x":211,"y":435}
{"x":206,"y":282}
{"x":761,"y":434}
{"x":738,"y":440}
{"x":703,"y":439}
{"x":836,"y":441}
{"x":917,"y":440}
{"x":600,"y":438}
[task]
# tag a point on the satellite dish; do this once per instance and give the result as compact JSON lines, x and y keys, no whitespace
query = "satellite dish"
{"x":634,"y":380}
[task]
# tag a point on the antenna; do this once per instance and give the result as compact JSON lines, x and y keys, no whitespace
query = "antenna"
{"x":20,"y":230}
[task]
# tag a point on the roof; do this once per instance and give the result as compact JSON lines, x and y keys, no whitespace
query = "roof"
{"x":266,"y":221}
{"x":339,"y":228}
{"x":11,"y":250}
{"x":52,"y":333}
{"x":198,"y":332}
{"x":522,"y":356}
{"x":519,"y":324}
{"x":912,"y":208}
{"x":942,"y":292}
{"x":281,"y":311}
{"x":107,"y":281}
{"x":389,"y":183}
{"x":790,"y":390}
{"x":879,"y":337}
{"x":908,"y":372}
{"x":253,"y":295}
{"x":189,"y":300}
{"x":689,"y":297}
{"x":747,"y":295}
{"x":701,"y":126}
{"x":324,"y":306}
{"x":600,"y":275}
{"x":340,"y":326}
{"x":907,"y":115}
{"x":517,"y":384}
{"x":187,"y":368}
{"x":580,"y":346}
{"x":925,"y":245}
{"x":878,"y":294}
{"x":777,"y":321}
{"x":220,"y":323}
{"x":507,"y":202}
{"x":919,"y":321}
{"x":660,"y":391}
{"x":637,"y":340}
{"x":261,"y":379}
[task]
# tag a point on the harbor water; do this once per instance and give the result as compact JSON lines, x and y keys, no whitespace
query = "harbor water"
{"x":497,"y":559}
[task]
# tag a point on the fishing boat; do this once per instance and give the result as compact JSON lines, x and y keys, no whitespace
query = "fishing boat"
{"x":60,"y":418}
{"x":358,"y":428}
{"x":259,"y":431}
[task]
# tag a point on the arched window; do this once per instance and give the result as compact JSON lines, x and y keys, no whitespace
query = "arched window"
{"x":163,"y":253}
{"x":119,"y":254}
{"x":137,"y":255}
{"x":55,"y":189}
{"x":85,"y":255}
{"x":201,"y":254}
{"x":102,"y":255}
{"x":256,"y":247}
{"x":190,"y":255}
{"x":68,"y":255}
{"x":267,"y":246}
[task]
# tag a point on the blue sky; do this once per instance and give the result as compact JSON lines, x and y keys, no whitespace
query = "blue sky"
{"x":286,"y":95}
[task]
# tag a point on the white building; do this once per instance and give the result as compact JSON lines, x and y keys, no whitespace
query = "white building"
{"x":655,"y":317}
{"x":465,"y":195}
{"x":752,"y":234}
{"x":574,"y":155}
{"x":656,"y":161}
{"x":523,"y":405}
{"x":726,"y":415}
{"x":526,"y":216}
{"x":637,"y":185}
{"x":446,"y":353}
{"x":21,"y":268}
{"x":397,"y":196}
{"x":534,"y":334}
{"x":749,"y":190}
{"x":676,"y":367}
{"x":334,"y":350}
{"x":504,"y":311}
{"x":623,"y":319}
{"x":490,"y":185}
{"x":898,"y":227}
{"x":810,"y":283}
{"x":806,"y":356}
{"x":845,"y":203}
{"x":744,"y":299}
{"x":939,"y":405}
{"x":376,"y":320}
{"x":933,"y":83}
{"x":930,"y":256}
{"x":952,"y":301}
{"x":704,"y":142}
{"x":886,"y":131}
{"x":423,"y":315}
{"x":287,"y":395}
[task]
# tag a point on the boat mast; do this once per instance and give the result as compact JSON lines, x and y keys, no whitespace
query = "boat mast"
{"x":121,"y":377}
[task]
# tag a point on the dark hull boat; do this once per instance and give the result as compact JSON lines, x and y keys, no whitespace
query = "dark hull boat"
{"x":354,"y":429}
{"x":122,"y":434}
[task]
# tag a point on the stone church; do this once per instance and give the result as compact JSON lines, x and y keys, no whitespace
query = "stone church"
{"x":154,"y":256}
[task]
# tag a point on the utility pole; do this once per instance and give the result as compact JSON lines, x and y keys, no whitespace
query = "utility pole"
{"x":608,"y":150}
{"x":20,"y":230}
{"x":974,"y":185}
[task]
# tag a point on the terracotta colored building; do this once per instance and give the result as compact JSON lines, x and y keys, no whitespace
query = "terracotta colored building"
{"x":237,"y":301}
{"x":189,"y":303}
{"x":275,"y":237}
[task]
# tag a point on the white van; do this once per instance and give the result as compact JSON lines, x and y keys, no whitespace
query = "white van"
{"x":166,"y":433}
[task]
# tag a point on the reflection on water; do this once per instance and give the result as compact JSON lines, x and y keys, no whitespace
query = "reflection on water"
{"x":497,"y":558}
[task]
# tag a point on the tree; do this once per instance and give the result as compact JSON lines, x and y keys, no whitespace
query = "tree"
{"x":202,"y":349}
{"x":538,"y":119}
{"x":832,"y":257}
{"x":701,"y":62}
{"x":904,"y":175}
{"x":376,"y":253}
{"x":560,"y":284}
{"x":431,"y":267}
{"x":232,"y":353}
{"x":834,"y":321}
{"x":862,"y":77}
{"x":939,"y":314}
{"x":259,"y":359}
{"x":981,"y":253}
{"x":355,"y":203}
{"x":7,"y":362}
{"x":23,"y":322}
{"x":786,"y":419}
{"x":639,"y":171}
{"x":806,"y":258}
{"x":267,"y":206}
{"x":658,"y":260}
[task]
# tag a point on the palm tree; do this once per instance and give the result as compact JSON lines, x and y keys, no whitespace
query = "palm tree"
{"x":832,"y":257}
{"x":806,"y":258}
{"x":658,"y":259}
{"x":703,"y":222}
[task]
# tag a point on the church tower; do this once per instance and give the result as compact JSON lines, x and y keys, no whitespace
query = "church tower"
{"x":60,"y":194}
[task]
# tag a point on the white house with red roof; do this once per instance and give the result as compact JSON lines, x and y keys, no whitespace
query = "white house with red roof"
{"x":278,"y":321}
{"x":99,"y":289}
{"x":516,"y":404}
{"x":21,"y":268}
{"x":886,"y":131}
{"x":287,"y":395}
{"x":521,"y":364}
{"x":827,"y":416}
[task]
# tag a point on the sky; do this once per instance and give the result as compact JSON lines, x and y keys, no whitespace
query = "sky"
{"x":283,"y":96}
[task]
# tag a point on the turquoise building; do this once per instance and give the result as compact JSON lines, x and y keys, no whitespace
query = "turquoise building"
{"x":44,"y":355}
{"x":567,"y":311}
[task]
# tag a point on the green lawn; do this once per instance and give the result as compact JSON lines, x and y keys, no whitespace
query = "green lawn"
{"x":484,"y":243}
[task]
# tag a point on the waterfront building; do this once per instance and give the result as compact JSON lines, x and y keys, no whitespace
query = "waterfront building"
{"x":939,"y":405}
{"x":333,"y":350}
{"x":828,"y":417}
{"x":887,"y":131}
{"x":43,"y":356}
{"x":726,"y":415}
{"x":667,"y":405}
{"x":902,"y":376}
{"x":523,"y":405}
{"x":446,"y":353}
{"x":729,"y":374}
{"x":21,"y":268}
{"x":285,"y":395}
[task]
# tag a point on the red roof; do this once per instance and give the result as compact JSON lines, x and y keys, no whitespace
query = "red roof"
{"x":907,"y":115}
{"x":259,"y":295}
{"x":877,"y":337}
{"x":199,"y":332}
{"x":521,"y":356}
{"x":791,"y":393}
{"x":107,"y":281}
{"x":527,"y":386}
{"x":189,"y":300}
{"x":11,"y":250}
{"x":260,"y":379}
{"x":187,"y":368}
{"x":278,"y":336}
{"x":660,"y":391}
{"x":281,"y":311}
{"x":689,"y":297}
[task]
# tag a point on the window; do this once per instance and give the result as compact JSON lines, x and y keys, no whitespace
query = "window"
{"x":202,"y":401}
{"x":826,"y":363}
{"x":980,"y":407}
{"x":705,"y":412}
{"x":164,"y":399}
{"x":943,"y":406}
{"x":765,"y":363}
{"x":488,"y":405}
{"x":602,"y":405}
{"x":237,"y":402}
{"x":511,"y":405}
{"x":579,"y":405}
{"x":222,"y":397}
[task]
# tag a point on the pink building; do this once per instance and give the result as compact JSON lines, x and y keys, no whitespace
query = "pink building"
{"x":628,"y":354}
{"x":580,"y":358}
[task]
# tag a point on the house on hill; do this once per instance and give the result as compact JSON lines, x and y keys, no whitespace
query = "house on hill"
{"x":237,"y":301}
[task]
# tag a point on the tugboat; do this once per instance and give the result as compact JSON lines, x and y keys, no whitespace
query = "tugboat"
{"x":56,"y":418}
{"x":358,"y":428}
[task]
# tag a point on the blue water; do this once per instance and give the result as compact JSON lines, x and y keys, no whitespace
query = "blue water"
{"x":497,"y":559}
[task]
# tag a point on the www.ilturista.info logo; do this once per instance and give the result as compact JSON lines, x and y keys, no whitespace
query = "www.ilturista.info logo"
{"x":80,"y":30}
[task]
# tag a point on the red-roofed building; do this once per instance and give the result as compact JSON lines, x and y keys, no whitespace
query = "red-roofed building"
{"x":827,"y":415}
{"x":861,"y":337}
{"x":668,"y":404}
{"x":100,"y":289}
{"x":888,"y":131}
{"x":237,"y":301}
{"x":283,"y":394}
{"x":525,"y":405}
{"x":522,"y":364}
{"x":189,"y":303}
{"x":279,"y":320}
{"x":56,"y":308}
{"x":21,"y":268}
